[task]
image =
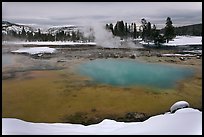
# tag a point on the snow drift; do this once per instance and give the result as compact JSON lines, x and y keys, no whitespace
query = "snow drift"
{"x":35,"y":50}
{"x":185,"y":121}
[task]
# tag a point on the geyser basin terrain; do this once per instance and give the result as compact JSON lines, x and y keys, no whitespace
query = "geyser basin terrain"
{"x":121,"y":72}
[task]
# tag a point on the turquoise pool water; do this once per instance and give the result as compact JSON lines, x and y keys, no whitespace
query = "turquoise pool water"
{"x":128,"y":73}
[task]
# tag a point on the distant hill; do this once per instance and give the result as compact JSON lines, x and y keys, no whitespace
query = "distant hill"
{"x":14,"y":31}
{"x":66,"y":29}
{"x":8,"y":27}
{"x":193,"y":30}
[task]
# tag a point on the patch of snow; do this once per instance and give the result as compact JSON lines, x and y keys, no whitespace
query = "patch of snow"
{"x":147,"y":43}
{"x":35,"y":50}
{"x":4,"y":32}
{"x":177,"y":55}
{"x":185,"y":40}
{"x":179,"y":105}
{"x":193,"y":51}
{"x":186,"y":121}
{"x":180,"y":41}
{"x":138,"y":39}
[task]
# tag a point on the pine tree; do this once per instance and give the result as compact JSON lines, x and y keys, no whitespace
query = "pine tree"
{"x":148,"y":31}
{"x":144,"y":29}
{"x":155,"y":33}
{"x":107,"y":26}
{"x":169,"y":30}
{"x":126,"y":30}
{"x":74,"y":37}
{"x":111,"y":28}
{"x":119,"y":29}
{"x":38,"y":35}
{"x":23,"y":33}
{"x":30,"y":36}
{"x":135,"y":31}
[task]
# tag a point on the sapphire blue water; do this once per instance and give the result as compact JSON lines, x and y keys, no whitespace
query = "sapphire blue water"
{"x":134,"y":73}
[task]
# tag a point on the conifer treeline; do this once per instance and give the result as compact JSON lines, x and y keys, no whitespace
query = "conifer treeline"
{"x":146,"y":31}
{"x":39,"y":36}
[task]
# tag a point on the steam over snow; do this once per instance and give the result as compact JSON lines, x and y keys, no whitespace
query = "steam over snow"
{"x":105,"y":38}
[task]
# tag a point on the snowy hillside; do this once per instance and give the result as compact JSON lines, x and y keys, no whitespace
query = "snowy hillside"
{"x":8,"y":27}
{"x":184,"y":121}
{"x":66,"y":29}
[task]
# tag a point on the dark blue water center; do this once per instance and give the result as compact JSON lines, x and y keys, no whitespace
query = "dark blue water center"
{"x":134,"y":73}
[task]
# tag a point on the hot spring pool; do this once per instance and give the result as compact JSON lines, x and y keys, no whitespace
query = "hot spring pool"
{"x":133,"y":73}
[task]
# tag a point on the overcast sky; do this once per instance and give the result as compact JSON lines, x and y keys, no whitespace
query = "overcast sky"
{"x":80,"y":13}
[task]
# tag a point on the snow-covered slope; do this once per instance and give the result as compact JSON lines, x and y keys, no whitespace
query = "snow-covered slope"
{"x":186,"y":121}
{"x":8,"y":27}
{"x":66,"y":29}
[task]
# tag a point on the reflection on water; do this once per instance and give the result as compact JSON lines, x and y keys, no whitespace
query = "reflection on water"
{"x":127,"y":72}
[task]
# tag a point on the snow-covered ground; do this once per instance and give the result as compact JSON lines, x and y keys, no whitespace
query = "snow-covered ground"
{"x":178,"y":55}
{"x":47,"y":43}
{"x":35,"y":50}
{"x":180,"y":41}
{"x":185,"y":121}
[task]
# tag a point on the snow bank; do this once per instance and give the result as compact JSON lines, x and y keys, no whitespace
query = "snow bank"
{"x":193,"y":51}
{"x":35,"y":50}
{"x":185,"y":40}
{"x":186,"y":121}
{"x":180,"y":41}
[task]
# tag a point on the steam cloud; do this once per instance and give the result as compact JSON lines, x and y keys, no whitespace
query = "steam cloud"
{"x":104,"y":38}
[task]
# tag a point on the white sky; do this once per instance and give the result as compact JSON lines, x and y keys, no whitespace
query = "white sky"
{"x":80,"y":13}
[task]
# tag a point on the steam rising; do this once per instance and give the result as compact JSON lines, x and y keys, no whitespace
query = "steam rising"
{"x":105,"y":38}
